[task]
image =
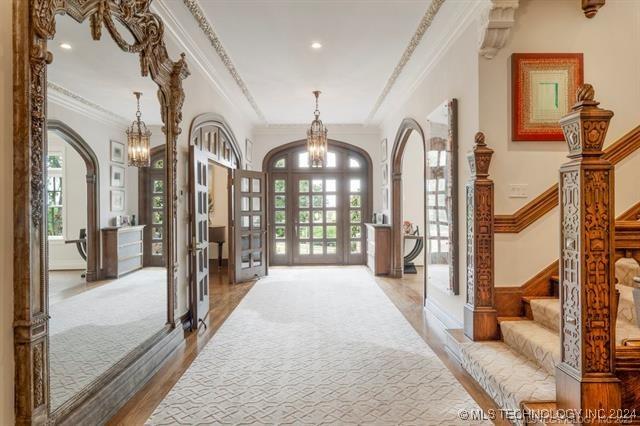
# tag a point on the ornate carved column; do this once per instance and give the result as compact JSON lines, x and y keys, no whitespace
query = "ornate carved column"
{"x":585,"y":378}
{"x":480,"y":316}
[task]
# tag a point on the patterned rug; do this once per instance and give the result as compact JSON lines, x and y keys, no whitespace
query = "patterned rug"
{"x":93,"y":330}
{"x":315,"y":346}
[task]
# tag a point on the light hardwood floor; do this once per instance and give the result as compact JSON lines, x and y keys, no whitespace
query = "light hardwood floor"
{"x":406,"y":294}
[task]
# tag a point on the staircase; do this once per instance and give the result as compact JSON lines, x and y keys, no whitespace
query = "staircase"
{"x":519,"y":371}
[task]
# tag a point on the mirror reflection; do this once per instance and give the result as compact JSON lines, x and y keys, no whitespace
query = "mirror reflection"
{"x":105,"y":216}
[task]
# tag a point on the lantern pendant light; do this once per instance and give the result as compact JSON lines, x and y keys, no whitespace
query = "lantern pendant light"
{"x":138,"y":140}
{"x":317,"y":138}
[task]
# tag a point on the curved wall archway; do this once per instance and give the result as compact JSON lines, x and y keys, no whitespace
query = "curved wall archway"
{"x":216,"y":120}
{"x":93,"y":190}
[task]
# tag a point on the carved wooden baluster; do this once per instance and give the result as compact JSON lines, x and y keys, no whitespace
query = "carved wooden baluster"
{"x":585,"y":378}
{"x":480,"y":316}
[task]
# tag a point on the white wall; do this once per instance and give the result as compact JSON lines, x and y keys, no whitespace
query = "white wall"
{"x":611,"y":64}
{"x":413,"y":188}
{"x":6,"y":218}
{"x":219,"y":176}
{"x":454,"y":76}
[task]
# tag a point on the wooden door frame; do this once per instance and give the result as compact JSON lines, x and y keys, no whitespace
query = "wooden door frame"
{"x":407,"y":127}
{"x":144,"y":205}
{"x":90,"y":159}
{"x":273,"y":153}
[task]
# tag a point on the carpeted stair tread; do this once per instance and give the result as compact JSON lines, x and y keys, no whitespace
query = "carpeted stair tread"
{"x":507,"y":376}
{"x":534,"y":341}
{"x":546,"y":312}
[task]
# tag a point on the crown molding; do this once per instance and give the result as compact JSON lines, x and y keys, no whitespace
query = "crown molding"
{"x":497,"y":19}
{"x":66,"y":98}
{"x":423,"y":26}
{"x":207,"y":27}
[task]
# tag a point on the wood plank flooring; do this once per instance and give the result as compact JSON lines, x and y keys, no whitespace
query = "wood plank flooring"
{"x":406,"y":294}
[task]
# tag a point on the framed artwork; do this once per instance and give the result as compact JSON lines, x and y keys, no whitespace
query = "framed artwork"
{"x":117,"y":200}
{"x":248,"y":150}
{"x":383,"y":150}
{"x":544,"y":87}
{"x":117,"y":176}
{"x":385,"y":174}
{"x":117,"y":152}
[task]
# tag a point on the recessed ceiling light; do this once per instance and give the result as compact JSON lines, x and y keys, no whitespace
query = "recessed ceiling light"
{"x":316,"y":45}
{"x":65,"y":46}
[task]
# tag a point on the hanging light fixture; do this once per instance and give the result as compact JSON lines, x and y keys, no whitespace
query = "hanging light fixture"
{"x":138,"y":140}
{"x":317,"y":138}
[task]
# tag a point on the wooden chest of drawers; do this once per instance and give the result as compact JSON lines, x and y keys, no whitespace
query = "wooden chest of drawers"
{"x":122,"y":250}
{"x":379,"y":248}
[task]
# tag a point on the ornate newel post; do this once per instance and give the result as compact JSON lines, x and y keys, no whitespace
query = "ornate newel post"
{"x":480,"y":316}
{"x":585,"y":377}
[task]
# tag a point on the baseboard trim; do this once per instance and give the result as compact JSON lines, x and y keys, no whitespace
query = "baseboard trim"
{"x":447,"y":320}
{"x":106,"y":395}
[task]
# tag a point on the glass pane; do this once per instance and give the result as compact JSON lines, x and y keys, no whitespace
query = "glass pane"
{"x":279,"y":185}
{"x":303,"y":201}
{"x":330,"y":185}
{"x":256,"y":222}
{"x":156,"y":249}
{"x":303,"y":232}
{"x":355,"y":247}
{"x":158,"y":186}
{"x":244,"y":184}
{"x":256,"y":241}
{"x":318,"y":248}
{"x":281,"y":247}
{"x":318,"y":232}
{"x":279,"y":232}
{"x":356,"y":231}
{"x":54,"y":161}
{"x":356,"y":217}
{"x":280,"y":163}
{"x":244,"y":242}
{"x":156,"y":232}
{"x":332,"y":231}
{"x":256,"y":203}
{"x":355,"y":201}
{"x":331,"y":247}
{"x":257,"y":258}
{"x":304,"y":248}
{"x":316,"y":185}
{"x":331,"y":159}
{"x":317,"y":216}
{"x":303,"y":159}
{"x":157,"y":201}
{"x":279,"y":201}
{"x":244,"y":221}
{"x":280,"y":217}
{"x":158,"y":164}
{"x":245,"y":262}
{"x":330,"y":201}
{"x":353,"y":163}
{"x":303,"y":186}
{"x":317,"y":201}
{"x":354,"y":185}
{"x":244,"y":204}
{"x":303,"y":216}
{"x":156,"y":218}
{"x":331,"y":216}
{"x":255,"y":185}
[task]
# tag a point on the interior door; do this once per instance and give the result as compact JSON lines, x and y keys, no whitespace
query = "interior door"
{"x":250,"y":224}
{"x":317,"y":220}
{"x":199,"y":224}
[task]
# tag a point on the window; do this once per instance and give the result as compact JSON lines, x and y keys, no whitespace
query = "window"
{"x":55,"y":219}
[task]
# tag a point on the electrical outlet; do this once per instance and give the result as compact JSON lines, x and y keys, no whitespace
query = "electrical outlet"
{"x":518,"y":190}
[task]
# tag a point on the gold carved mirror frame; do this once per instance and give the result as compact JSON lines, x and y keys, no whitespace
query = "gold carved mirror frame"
{"x":34,"y":23}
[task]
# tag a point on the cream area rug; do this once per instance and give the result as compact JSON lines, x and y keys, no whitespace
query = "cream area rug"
{"x":91,"y":331}
{"x":315,"y":345}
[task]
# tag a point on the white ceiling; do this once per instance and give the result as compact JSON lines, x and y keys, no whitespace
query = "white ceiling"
{"x":269,"y":43}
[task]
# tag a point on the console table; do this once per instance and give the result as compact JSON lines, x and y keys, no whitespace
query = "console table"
{"x":379,"y":248}
{"x":122,"y":250}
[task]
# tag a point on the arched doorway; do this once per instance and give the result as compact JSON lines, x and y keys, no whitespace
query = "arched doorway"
{"x":317,"y":214}
{"x":93,"y":195}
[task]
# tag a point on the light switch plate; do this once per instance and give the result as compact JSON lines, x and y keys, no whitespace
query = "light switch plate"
{"x":518,"y":190}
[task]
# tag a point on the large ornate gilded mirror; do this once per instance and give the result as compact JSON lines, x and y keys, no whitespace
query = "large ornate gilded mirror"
{"x":95,"y":298}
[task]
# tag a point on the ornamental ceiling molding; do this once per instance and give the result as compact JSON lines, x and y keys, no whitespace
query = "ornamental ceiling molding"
{"x":71,"y":100}
{"x":198,"y":14}
{"x":423,"y":26}
{"x":496,"y":22}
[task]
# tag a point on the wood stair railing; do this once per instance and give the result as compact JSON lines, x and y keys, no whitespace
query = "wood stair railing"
{"x":548,"y":200}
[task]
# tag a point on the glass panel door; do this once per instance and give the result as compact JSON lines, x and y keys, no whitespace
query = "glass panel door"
{"x":250,"y":219}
